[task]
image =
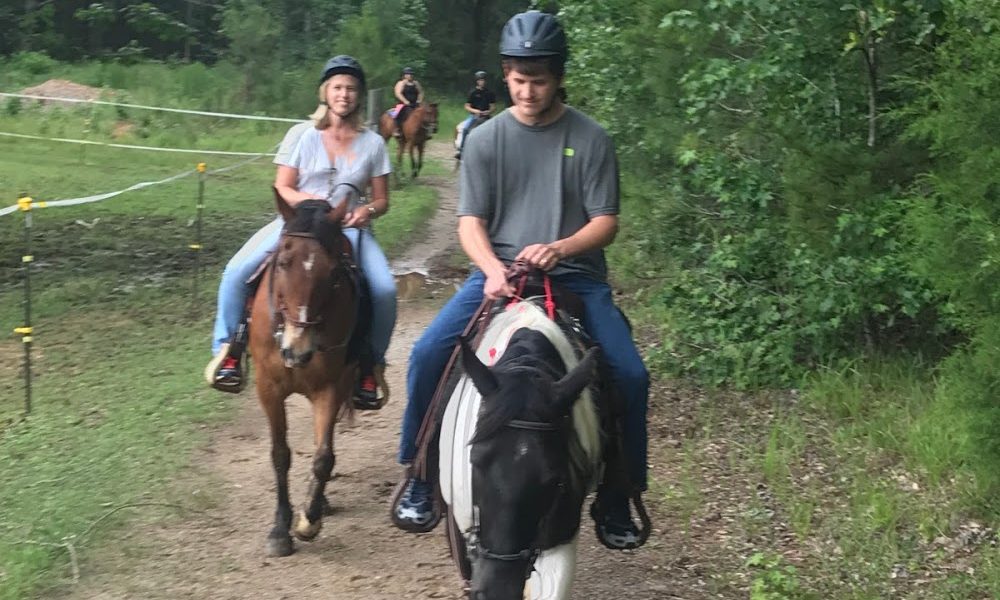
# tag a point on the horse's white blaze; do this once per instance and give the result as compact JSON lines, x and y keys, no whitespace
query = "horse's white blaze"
{"x":309,"y":262}
{"x":554,"y":568}
{"x":303,"y":314}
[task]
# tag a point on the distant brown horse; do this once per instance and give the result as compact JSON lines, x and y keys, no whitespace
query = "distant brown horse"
{"x":419,"y":126}
{"x":303,"y":317}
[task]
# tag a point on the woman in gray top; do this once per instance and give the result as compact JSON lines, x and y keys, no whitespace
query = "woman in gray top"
{"x":332,"y":152}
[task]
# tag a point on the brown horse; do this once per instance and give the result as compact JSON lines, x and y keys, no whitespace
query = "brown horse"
{"x":303,"y":317}
{"x":419,"y":126}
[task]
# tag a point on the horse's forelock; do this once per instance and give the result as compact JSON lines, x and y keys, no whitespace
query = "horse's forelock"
{"x":307,"y":215}
{"x":311,"y":216}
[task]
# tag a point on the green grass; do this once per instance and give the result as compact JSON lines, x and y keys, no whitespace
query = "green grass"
{"x":830,"y":478}
{"x":119,"y":341}
{"x":118,"y":406}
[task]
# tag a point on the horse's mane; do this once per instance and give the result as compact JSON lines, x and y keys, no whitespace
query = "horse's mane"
{"x":311,"y":217}
{"x":585,"y":439}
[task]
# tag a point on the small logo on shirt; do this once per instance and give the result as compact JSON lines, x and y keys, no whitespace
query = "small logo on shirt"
{"x":568,"y":152}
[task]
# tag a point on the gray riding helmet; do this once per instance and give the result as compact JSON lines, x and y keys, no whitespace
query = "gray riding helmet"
{"x":343,"y":65}
{"x":480,"y":75}
{"x":407,"y":70}
{"x":533,"y":33}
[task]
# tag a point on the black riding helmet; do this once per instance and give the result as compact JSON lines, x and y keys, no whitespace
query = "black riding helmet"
{"x":407,"y":70}
{"x":533,"y":34}
{"x":343,"y":65}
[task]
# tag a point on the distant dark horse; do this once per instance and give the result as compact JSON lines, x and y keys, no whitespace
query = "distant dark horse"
{"x":520,"y":448}
{"x":419,"y":126}
{"x":303,"y":317}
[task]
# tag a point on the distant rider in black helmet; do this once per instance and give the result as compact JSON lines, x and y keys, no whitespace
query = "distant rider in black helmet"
{"x":410,"y":95}
{"x":480,"y":105}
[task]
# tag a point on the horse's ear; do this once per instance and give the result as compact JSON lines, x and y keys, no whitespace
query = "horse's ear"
{"x":482,"y":377}
{"x":284,"y":208}
{"x":337,"y":214}
{"x":569,"y":387}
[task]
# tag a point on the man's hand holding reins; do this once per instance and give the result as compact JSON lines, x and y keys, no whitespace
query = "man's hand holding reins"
{"x":541,"y":256}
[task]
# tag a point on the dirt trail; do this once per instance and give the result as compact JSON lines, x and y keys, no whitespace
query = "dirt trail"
{"x":218,"y":553}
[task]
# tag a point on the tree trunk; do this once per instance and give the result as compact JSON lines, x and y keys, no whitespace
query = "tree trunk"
{"x":872,"y":89}
{"x":188,"y":17}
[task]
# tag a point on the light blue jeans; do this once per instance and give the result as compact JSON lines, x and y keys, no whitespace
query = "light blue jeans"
{"x":233,"y":289}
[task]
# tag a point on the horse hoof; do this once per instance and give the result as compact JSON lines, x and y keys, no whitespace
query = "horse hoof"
{"x":280,"y":546}
{"x":304,"y":530}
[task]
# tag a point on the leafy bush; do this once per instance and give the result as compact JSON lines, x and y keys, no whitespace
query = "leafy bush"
{"x":779,"y":214}
{"x":36,"y":63}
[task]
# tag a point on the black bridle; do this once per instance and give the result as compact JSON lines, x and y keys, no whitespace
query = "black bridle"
{"x":279,"y":311}
{"x":473,"y":541}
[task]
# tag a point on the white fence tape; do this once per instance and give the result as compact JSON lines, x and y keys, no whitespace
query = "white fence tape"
{"x":160,"y":108}
{"x":132,"y":146}
{"x":138,"y":186}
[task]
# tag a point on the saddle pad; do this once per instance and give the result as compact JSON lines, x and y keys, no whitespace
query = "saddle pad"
{"x":555,"y":567}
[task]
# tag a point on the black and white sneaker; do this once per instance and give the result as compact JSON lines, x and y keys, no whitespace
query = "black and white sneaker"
{"x":613,"y":522}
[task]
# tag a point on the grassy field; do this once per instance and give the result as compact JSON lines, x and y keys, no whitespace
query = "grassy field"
{"x":121,"y":326}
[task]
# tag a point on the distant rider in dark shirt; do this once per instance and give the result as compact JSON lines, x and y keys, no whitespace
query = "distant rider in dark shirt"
{"x":480,"y":105}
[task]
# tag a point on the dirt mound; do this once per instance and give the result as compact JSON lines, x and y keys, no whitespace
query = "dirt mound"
{"x":61,"y":88}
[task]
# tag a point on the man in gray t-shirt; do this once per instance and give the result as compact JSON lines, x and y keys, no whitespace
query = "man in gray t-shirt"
{"x":539,"y":183}
{"x":534,"y":184}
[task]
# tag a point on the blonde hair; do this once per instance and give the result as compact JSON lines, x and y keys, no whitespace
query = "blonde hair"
{"x":321,"y":116}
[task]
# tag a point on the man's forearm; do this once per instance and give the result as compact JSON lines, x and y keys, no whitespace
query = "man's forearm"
{"x":476,"y":243}
{"x":596,"y":234}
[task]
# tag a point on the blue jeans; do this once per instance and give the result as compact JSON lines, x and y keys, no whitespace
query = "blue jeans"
{"x":603,"y":322}
{"x":465,"y":124}
{"x":233,"y":288}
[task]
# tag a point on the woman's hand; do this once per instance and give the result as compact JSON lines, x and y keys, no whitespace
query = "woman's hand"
{"x":359,"y":217}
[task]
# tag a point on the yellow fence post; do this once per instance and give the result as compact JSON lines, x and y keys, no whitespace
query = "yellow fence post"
{"x":25,"y":203}
{"x":196,"y":246}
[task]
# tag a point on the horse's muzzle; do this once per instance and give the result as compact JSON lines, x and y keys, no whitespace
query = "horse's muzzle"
{"x":294,"y":360}
{"x":297,"y":346}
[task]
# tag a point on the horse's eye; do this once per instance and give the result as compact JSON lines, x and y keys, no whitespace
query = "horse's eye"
{"x":284,"y":263}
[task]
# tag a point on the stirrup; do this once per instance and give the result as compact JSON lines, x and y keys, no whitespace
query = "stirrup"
{"x":397,"y":498}
{"x":215,"y":366}
{"x":381,"y":392}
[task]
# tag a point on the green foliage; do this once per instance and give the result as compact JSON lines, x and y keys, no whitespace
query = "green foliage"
{"x":777,"y":222}
{"x":35,"y":63}
{"x":955,"y":222}
{"x":253,"y":34}
{"x":773,"y":579}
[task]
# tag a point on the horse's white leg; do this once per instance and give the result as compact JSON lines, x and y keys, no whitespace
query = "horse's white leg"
{"x":554,"y":572}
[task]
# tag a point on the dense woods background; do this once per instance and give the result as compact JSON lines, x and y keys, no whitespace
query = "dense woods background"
{"x":812,"y":187}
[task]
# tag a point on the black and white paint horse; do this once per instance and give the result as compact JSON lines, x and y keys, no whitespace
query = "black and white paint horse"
{"x":520,"y":448}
